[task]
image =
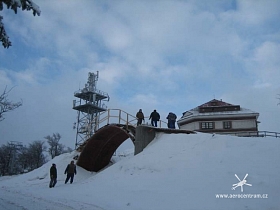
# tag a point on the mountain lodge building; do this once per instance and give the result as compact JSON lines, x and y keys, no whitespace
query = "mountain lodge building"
{"x":217,"y":116}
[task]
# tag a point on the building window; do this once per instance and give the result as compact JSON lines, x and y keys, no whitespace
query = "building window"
{"x":227,"y":124}
{"x":207,"y":125}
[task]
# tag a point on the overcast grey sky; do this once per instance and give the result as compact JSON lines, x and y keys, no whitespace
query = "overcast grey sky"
{"x":167,"y":55}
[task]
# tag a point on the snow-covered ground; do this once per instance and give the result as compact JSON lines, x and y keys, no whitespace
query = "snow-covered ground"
{"x":175,"y":172}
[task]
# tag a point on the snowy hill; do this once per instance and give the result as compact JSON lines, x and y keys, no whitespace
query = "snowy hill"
{"x":175,"y":171}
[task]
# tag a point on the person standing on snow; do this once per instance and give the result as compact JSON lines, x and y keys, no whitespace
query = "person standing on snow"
{"x":140,"y":117}
{"x":70,"y":170}
{"x":171,"y":120}
{"x":154,"y":117}
{"x":53,"y":175}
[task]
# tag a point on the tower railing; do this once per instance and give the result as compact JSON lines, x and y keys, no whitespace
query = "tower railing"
{"x":100,"y":92}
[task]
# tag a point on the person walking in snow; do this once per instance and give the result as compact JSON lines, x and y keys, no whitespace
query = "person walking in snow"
{"x":140,"y":117}
{"x":70,"y":171}
{"x":53,"y":175}
{"x":171,"y":120}
{"x":154,"y":117}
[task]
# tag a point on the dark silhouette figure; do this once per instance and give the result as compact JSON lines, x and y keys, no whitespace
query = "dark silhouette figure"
{"x":154,"y":117}
{"x":140,"y":117}
{"x":171,"y":120}
{"x":53,"y":175}
{"x":70,"y":171}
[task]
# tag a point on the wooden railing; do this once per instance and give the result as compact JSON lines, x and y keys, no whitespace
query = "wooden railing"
{"x":256,"y":134}
{"x":118,"y":116}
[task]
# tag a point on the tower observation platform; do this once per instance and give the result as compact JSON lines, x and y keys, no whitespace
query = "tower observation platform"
{"x":89,"y":105}
{"x":92,"y":101}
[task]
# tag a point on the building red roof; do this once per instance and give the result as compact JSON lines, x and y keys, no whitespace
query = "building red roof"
{"x":215,"y":102}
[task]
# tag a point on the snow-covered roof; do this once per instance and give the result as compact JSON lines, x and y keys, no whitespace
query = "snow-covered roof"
{"x":233,"y":111}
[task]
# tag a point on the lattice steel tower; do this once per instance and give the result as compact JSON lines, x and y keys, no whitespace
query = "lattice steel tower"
{"x":89,"y":106}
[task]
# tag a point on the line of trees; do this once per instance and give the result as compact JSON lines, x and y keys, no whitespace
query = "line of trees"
{"x":16,"y":158}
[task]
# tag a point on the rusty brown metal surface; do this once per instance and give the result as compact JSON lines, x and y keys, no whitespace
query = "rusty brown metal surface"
{"x":99,"y":149}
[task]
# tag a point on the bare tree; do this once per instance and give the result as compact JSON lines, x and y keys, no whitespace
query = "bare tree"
{"x":6,"y":105}
{"x":9,"y":156}
{"x":14,"y":5}
{"x":5,"y":156}
{"x":56,"y":148}
{"x":36,"y":155}
{"x":23,"y":159}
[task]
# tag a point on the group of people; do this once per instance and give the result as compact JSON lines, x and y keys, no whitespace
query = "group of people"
{"x":70,"y":171}
{"x":155,"y":117}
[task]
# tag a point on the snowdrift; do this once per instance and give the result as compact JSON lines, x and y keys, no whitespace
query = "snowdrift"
{"x":175,"y":171}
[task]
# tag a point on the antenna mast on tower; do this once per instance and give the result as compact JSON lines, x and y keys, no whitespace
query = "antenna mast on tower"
{"x":89,"y":106}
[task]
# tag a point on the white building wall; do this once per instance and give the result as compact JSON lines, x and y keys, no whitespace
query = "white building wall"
{"x":191,"y":126}
{"x":236,"y":124}
{"x":219,"y":125}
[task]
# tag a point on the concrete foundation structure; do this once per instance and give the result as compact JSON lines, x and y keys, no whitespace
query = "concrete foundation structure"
{"x":146,"y":134}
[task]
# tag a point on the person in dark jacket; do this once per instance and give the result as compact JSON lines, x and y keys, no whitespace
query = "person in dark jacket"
{"x":154,"y":117}
{"x":53,"y":175}
{"x":140,"y":117}
{"x":70,"y":171}
{"x":171,"y":120}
